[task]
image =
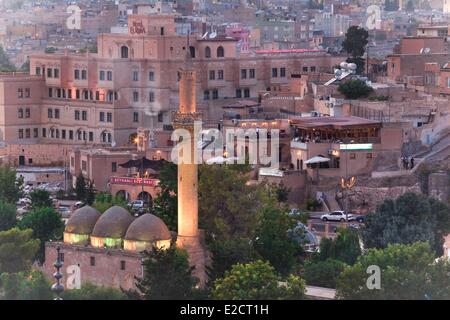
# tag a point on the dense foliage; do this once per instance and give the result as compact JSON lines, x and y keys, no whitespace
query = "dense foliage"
{"x":354,"y":89}
{"x":17,"y":250}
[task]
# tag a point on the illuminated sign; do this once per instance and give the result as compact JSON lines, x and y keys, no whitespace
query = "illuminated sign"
{"x":137,"y":28}
{"x":356,"y":146}
{"x":135,"y":181}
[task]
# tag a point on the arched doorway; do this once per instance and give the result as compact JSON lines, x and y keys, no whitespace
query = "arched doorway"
{"x":144,"y":195}
{"x":124,"y":52}
{"x":123,"y":194}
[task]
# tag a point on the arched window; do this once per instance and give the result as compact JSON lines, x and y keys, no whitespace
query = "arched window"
{"x":220,"y":52}
{"x":207,"y":52}
{"x":192,"y":51}
{"x":124,"y":52}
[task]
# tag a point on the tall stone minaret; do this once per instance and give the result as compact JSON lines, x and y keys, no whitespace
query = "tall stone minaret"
{"x":188,"y":235}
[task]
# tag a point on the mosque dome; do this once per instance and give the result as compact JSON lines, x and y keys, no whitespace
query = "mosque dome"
{"x":111,"y":227}
{"x":83,"y":221}
{"x":145,"y":231}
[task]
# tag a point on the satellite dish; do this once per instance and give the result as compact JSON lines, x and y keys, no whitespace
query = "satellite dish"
{"x":337,"y":73}
{"x":113,"y":144}
{"x":213,"y":35}
{"x":344,"y":65}
{"x":352,"y":66}
{"x":426,"y":50}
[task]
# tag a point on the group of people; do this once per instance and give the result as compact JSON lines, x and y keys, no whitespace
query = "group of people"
{"x":408,"y":163}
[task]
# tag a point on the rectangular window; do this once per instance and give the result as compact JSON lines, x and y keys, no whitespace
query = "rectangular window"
{"x":151,"y":76}
{"x":56,"y":113}
{"x":58,"y":93}
{"x":83,"y":74}
{"x":212,"y":75}
{"x":313,"y":69}
{"x":20,"y":113}
{"x":84,"y":115}
{"x":69,"y":93}
{"x":305,"y":69}
{"x":252,"y":74}
{"x":243,"y":73}
{"x":70,"y":134}
{"x":77,"y":94}
{"x":274,"y":72}
{"x":56,"y":73}
{"x":97,"y":95}
{"x":136,"y":96}
{"x":102,"y":117}
{"x":206,"y":95}
{"x":27,"y":133}
{"x":91,"y":136}
{"x":247,"y":93}
{"x":109,"y":117}
{"x":27,"y":113}
{"x":92,"y":260}
{"x":114,"y":167}
{"x":50,"y":92}
{"x":35,"y":132}
{"x":151,"y":96}
{"x":20,"y":133}
{"x":49,"y":72}
{"x":38,"y":71}
{"x":76,"y":74}
{"x":135,"y":75}
{"x":135,"y":116}
{"x":27,"y":93}
{"x":122,"y":265}
{"x":215,"y":94}
{"x":282,"y":72}
{"x":238,"y":93}
{"x":102,"y":75}
{"x":63,"y":134}
{"x":220,"y":74}
{"x":109,"y":75}
{"x":86,"y":95}
{"x":77,"y":115}
{"x":44,"y":132}
{"x":160,"y":117}
{"x":50,"y":113}
{"x":20,"y":93}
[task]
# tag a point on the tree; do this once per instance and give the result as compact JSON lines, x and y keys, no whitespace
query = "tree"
{"x":89,"y":291}
{"x":354,"y":89}
{"x":5,"y":65}
{"x":323,"y":273}
{"x":165,"y":205}
{"x":274,"y":241}
{"x":346,"y":247}
{"x":226,"y":253}
{"x":257,"y":281}
{"x":10,"y":185}
{"x":356,"y":39}
{"x":85,"y":190}
{"x":40,"y":199}
{"x":228,"y":206}
{"x":408,"y":272}
{"x":46,"y":224}
{"x":7,"y":216}
{"x":167,"y":275}
{"x":408,"y":219}
{"x":31,"y":285}
{"x":104,"y":201}
{"x":17,"y":250}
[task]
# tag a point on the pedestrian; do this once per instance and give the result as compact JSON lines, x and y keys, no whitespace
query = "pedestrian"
{"x":405,"y":163}
{"x":412,"y":162}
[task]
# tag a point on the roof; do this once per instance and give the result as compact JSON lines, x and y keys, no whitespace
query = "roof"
{"x":148,"y":227}
{"x":113,"y":223}
{"x":83,"y":221}
{"x":333,"y":122}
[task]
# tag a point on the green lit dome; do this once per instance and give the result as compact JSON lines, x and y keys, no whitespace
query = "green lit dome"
{"x":113,"y":223}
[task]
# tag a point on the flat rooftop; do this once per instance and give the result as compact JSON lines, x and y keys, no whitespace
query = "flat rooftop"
{"x":333,"y":122}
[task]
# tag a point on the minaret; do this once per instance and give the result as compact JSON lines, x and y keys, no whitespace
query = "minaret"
{"x":188,"y":235}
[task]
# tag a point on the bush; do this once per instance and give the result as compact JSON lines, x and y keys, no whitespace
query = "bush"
{"x":323,"y":273}
{"x":354,"y":89}
{"x":90,"y":291}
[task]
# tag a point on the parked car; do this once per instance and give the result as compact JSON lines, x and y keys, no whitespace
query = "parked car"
{"x":136,"y":204}
{"x":79,"y":204}
{"x":360,"y":219}
{"x":337,"y":216}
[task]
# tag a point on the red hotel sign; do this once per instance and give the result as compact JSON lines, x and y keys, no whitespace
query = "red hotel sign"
{"x":135,"y":181}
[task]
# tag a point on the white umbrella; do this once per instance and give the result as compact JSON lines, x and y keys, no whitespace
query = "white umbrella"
{"x":317,"y":159}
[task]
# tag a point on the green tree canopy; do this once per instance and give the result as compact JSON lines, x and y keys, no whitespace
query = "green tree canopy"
{"x":408,"y":272}
{"x":408,"y":219}
{"x":31,"y":285}
{"x":5,"y":64}
{"x":274,"y":240}
{"x":7,"y":216}
{"x":46,"y":224}
{"x":40,"y":199}
{"x":345,"y":247}
{"x":323,"y":273}
{"x":17,"y":250}
{"x":104,"y":201}
{"x":10,"y":185}
{"x":167,"y":275}
{"x":165,"y":205}
{"x":85,"y":190}
{"x":257,"y":281}
{"x":354,"y":89}
{"x":355,"y":41}
{"x":89,"y":291}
